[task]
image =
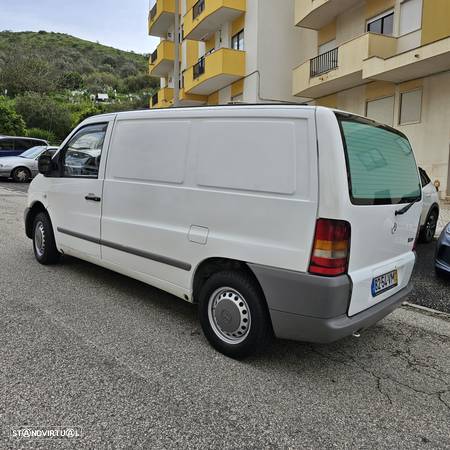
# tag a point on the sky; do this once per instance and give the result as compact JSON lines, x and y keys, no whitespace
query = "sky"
{"x":117,"y":23}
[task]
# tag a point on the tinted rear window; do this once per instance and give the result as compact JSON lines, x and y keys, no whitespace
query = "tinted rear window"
{"x":380,"y":163}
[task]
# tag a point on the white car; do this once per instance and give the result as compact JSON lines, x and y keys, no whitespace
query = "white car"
{"x":24,"y":167}
{"x":297,"y":221}
{"x":430,"y":211}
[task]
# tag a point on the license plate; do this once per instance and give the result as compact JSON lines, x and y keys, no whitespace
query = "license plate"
{"x":384,"y":282}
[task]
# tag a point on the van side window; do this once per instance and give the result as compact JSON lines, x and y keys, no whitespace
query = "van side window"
{"x":81,"y":156}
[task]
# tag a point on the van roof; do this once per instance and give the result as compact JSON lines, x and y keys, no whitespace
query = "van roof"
{"x":262,"y":106}
{"x":216,"y":107}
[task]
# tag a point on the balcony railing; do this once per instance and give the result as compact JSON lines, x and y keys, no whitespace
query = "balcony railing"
{"x":154,"y":99}
{"x":324,"y":63}
{"x":153,"y":11}
{"x":199,"y":68}
{"x":198,"y":8}
{"x":154,"y":56}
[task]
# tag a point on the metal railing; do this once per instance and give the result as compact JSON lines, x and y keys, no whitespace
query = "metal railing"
{"x":153,"y":11}
{"x":154,"y":99}
{"x":198,"y":8}
{"x":154,"y":56}
{"x":324,"y":63}
{"x":199,"y":68}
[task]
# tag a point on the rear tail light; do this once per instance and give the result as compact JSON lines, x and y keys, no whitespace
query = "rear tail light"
{"x":331,"y":249}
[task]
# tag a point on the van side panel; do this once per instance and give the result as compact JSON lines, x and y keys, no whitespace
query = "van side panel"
{"x":246,"y":178}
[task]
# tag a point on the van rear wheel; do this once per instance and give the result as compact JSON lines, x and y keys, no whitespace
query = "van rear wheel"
{"x":44,"y":245}
{"x":234,"y":315}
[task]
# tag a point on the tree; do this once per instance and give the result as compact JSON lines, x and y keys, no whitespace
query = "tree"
{"x":10,"y":122}
{"x":43,"y":134}
{"x":20,"y":74}
{"x":42,"y":111}
{"x":137,"y":83}
{"x":71,"y":80}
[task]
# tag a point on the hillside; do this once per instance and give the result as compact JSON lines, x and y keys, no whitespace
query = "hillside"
{"x":49,"y":82}
{"x":69,"y":62}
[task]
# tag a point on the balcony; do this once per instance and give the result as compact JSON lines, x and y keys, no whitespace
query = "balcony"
{"x":416,"y":63}
{"x":315,"y":14}
{"x":207,"y":16}
{"x":191,"y":99}
{"x":341,"y":68}
{"x":160,"y":17}
{"x":215,"y":71}
{"x":162,"y":99}
{"x":161,"y":60}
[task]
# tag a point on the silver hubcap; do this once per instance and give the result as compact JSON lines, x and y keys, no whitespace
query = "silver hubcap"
{"x":22,"y":175}
{"x":229,"y":315}
{"x":39,"y":238}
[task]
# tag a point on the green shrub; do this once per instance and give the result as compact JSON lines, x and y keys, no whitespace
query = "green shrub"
{"x":10,"y":122}
{"x":42,"y":111}
{"x":48,"y":136}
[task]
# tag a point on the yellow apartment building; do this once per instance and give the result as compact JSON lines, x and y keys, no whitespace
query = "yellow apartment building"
{"x":231,"y":51}
{"x":385,"y":59}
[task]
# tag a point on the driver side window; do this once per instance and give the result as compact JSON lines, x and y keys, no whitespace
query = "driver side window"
{"x":81,"y":157}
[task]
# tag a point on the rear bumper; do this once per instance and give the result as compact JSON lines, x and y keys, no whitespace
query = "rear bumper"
{"x":307,"y":308}
{"x":312,"y":329}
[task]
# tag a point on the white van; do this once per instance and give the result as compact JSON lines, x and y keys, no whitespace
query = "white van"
{"x":293,"y":221}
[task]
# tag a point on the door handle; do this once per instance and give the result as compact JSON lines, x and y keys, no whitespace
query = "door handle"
{"x":93,"y":198}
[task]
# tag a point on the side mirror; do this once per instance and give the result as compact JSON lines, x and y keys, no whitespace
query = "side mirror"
{"x":45,"y":164}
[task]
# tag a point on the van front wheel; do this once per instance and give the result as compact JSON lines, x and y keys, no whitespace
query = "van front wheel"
{"x":233,"y":314}
{"x":44,"y":245}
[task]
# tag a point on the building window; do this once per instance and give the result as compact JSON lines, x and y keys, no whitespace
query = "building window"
{"x":381,"y":110}
{"x":410,"y":16}
{"x":382,"y":24}
{"x":410,"y":107}
{"x":237,"y":41}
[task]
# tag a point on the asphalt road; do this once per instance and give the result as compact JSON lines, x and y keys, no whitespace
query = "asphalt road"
{"x":83,"y":346}
{"x":430,"y":290}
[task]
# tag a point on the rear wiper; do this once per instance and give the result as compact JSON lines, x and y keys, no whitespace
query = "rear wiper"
{"x":406,"y":208}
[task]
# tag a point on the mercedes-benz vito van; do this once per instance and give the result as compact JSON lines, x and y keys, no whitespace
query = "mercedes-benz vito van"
{"x":293,"y":221}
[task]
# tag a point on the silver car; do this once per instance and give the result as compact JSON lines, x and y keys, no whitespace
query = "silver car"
{"x":24,"y":167}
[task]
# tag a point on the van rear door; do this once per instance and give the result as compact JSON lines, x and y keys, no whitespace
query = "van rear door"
{"x":385,"y":197}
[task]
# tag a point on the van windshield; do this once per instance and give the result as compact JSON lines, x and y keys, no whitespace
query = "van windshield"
{"x":380,"y":163}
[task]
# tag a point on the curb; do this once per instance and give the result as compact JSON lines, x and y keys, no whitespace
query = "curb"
{"x":424,"y":309}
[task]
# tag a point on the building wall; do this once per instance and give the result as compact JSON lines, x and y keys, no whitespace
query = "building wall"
{"x":430,"y":136}
{"x":278,"y":49}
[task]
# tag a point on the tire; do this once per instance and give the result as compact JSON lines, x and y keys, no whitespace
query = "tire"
{"x":429,"y":229}
{"x":44,"y":245}
{"x":234,"y":315}
{"x":21,"y":175}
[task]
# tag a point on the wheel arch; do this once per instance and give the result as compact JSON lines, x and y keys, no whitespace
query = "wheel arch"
{"x":212,"y":265}
{"x":35,"y":209}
